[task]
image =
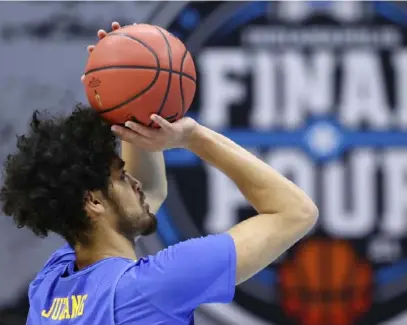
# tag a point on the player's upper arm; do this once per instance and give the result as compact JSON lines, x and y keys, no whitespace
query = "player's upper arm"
{"x":182,"y":277}
{"x":262,"y":239}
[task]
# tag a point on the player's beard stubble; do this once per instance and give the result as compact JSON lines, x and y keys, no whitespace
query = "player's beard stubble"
{"x":132,"y":225}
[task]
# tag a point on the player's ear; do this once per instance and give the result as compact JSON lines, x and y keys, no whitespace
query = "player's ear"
{"x":93,"y":204}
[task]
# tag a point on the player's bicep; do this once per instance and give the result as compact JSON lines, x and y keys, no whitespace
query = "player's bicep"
{"x":262,"y":239}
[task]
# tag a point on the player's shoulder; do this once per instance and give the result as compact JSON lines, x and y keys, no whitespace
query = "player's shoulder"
{"x":61,"y":264}
{"x":55,"y":264}
{"x":142,"y":275}
{"x":60,"y":257}
{"x":134,"y":271}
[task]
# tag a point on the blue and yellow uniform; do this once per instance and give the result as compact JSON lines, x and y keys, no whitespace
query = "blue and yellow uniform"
{"x":162,"y":289}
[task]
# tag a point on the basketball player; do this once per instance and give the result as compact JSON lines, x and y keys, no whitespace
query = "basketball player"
{"x":67,"y":177}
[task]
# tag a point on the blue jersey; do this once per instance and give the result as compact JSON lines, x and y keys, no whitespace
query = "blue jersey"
{"x":162,"y":289}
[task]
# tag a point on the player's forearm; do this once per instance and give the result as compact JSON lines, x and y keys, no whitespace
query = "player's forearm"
{"x":149,"y":169}
{"x":267,"y":190}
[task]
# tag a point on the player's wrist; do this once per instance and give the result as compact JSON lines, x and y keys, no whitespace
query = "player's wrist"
{"x":196,"y":137}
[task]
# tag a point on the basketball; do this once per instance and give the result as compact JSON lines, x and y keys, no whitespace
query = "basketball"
{"x":325,"y":282}
{"x":137,"y":71}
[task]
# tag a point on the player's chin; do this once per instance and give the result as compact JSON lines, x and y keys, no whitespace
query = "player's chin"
{"x":149,"y":225}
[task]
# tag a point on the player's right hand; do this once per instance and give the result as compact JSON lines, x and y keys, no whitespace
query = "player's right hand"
{"x":169,"y":135}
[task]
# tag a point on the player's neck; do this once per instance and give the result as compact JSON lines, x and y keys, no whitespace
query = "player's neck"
{"x":103,"y":246}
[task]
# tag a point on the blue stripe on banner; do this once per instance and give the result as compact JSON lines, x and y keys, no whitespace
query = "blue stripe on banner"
{"x":267,"y":277}
{"x":375,"y":139}
{"x":180,"y":157}
{"x":258,"y":138}
{"x":295,"y":139}
{"x":391,"y":273}
{"x":393,"y":12}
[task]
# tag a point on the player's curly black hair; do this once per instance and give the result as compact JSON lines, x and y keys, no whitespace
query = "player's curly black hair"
{"x":57,"y":162}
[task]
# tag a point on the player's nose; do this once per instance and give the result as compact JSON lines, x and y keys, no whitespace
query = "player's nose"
{"x":136,"y":184}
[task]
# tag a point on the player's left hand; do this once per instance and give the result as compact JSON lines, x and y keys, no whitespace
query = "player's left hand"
{"x":169,"y":135}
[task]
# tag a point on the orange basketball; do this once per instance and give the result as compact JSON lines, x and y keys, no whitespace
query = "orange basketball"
{"x":326,"y":283}
{"x":139,"y":70}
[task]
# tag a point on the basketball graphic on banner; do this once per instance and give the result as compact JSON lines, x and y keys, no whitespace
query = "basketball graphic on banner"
{"x":317,"y":90}
{"x":325,"y":283}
